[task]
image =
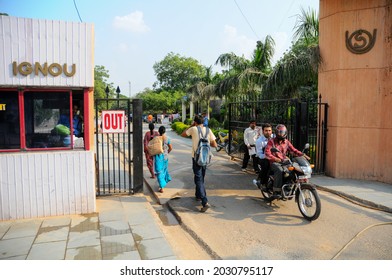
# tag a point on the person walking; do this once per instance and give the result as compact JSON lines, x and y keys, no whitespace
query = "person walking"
{"x":199,"y":172}
{"x":205,"y":119}
{"x":148,"y":136}
{"x":250,"y":136}
{"x":161,"y":161}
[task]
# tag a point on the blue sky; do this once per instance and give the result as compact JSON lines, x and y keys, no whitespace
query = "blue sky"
{"x":132,"y":35}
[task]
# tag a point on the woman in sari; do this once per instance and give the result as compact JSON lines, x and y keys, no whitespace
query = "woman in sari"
{"x":147,"y":138}
{"x":161,"y":161}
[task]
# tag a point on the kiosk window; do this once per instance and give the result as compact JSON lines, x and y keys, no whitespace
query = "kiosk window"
{"x":47,"y":119}
{"x":9,"y":121}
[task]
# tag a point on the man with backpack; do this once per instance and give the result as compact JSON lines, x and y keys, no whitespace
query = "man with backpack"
{"x":202,"y":140}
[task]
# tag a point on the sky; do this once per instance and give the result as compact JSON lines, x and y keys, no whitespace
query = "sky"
{"x":132,"y":35}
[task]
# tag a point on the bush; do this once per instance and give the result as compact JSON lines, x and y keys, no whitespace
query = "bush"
{"x":188,"y":121}
{"x":213,"y":123}
{"x":179,"y":127}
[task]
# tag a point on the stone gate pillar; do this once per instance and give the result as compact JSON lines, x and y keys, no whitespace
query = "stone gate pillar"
{"x":355,"y":79}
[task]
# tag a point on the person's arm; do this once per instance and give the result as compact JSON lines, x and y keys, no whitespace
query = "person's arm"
{"x":246,"y":140}
{"x":259,"y":148}
{"x":170,"y":148}
{"x":293,"y":150}
{"x":212,"y":139}
{"x":185,"y":133}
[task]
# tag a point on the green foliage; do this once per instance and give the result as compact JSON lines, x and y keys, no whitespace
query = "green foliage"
{"x":296,"y":74}
{"x":213,"y":123}
{"x":163,"y":101}
{"x":188,"y":121}
{"x":177,"y":73}
{"x":179,"y":127}
{"x":101,"y":76}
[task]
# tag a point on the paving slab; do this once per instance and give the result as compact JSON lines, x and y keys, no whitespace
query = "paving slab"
{"x":48,"y":251}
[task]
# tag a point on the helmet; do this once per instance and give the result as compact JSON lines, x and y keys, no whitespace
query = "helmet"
{"x":281,"y":132}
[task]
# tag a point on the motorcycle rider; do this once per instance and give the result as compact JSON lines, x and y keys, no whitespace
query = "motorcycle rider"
{"x":276,"y":159}
{"x":262,"y":161}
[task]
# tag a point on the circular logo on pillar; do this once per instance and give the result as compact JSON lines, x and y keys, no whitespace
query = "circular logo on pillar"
{"x":360,"y":41}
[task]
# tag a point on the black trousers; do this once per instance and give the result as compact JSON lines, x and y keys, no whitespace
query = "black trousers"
{"x":278,"y":175}
{"x":246,"y":160}
{"x":265,"y":168}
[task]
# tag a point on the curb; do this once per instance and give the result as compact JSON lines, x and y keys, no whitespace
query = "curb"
{"x":357,"y":200}
{"x":201,"y":242}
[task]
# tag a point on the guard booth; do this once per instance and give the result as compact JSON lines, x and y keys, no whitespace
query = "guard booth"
{"x":47,"y":163}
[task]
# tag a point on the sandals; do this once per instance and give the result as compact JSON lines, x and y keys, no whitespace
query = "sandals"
{"x":160,"y":190}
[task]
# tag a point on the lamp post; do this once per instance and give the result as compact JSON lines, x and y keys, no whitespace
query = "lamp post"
{"x":130,"y":94}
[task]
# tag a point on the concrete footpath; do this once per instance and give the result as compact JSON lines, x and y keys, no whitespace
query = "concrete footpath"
{"x":128,"y":228}
{"x":124,"y":228}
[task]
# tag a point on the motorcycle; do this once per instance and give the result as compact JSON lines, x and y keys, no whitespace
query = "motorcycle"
{"x":222,"y":142}
{"x":296,"y":175}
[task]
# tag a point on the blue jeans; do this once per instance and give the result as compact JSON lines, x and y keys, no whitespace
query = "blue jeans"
{"x":199,"y":172}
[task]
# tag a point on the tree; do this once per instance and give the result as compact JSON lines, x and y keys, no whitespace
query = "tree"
{"x":160,"y":102}
{"x":296,"y":74}
{"x":101,"y":75}
{"x":177,"y":73}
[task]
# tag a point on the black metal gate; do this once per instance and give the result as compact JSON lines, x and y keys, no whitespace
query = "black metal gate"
{"x":118,"y":157}
{"x":306,"y":122}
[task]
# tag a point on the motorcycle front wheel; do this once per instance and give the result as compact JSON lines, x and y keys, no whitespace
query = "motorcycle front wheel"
{"x":309,"y":203}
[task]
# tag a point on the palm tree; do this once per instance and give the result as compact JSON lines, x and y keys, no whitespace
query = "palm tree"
{"x":299,"y":67}
{"x":245,"y":76}
{"x":203,"y":90}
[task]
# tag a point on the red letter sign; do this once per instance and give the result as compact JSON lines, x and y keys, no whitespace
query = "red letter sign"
{"x":113,"y":121}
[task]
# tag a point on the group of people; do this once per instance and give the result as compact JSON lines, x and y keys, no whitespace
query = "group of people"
{"x":259,"y":147}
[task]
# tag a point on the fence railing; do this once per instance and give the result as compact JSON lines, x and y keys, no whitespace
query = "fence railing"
{"x":306,"y":122}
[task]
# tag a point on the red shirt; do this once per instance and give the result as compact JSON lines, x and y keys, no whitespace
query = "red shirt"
{"x":283,"y":146}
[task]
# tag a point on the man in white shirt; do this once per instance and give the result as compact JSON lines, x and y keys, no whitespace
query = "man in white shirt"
{"x":250,"y":136}
{"x":262,"y":161}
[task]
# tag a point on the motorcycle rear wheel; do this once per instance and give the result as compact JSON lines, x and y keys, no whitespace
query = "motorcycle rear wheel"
{"x":309,"y":203}
{"x":233,"y":148}
{"x":218,"y":147}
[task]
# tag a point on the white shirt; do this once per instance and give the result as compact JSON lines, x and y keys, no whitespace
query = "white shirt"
{"x":250,"y":136}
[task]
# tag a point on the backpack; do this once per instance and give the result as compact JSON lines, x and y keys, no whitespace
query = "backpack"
{"x":155,"y":146}
{"x":203,"y":151}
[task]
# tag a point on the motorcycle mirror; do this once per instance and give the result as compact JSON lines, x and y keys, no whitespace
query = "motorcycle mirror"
{"x":306,"y":146}
{"x":274,"y":150}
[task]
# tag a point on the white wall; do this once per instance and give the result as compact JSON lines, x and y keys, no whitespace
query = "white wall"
{"x":46,"y":41}
{"x":44,"y":184}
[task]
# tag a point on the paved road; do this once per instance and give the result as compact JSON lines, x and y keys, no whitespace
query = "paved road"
{"x":240,"y":225}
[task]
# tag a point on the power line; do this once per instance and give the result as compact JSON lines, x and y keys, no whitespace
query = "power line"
{"x":246,"y":19}
{"x":76,"y":7}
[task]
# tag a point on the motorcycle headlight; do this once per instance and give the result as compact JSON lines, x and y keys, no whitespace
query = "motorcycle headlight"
{"x":306,"y":169}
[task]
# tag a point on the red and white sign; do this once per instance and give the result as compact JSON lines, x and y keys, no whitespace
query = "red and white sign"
{"x":113,"y":121}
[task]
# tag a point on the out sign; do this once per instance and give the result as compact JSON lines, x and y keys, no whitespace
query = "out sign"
{"x":113,"y":121}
